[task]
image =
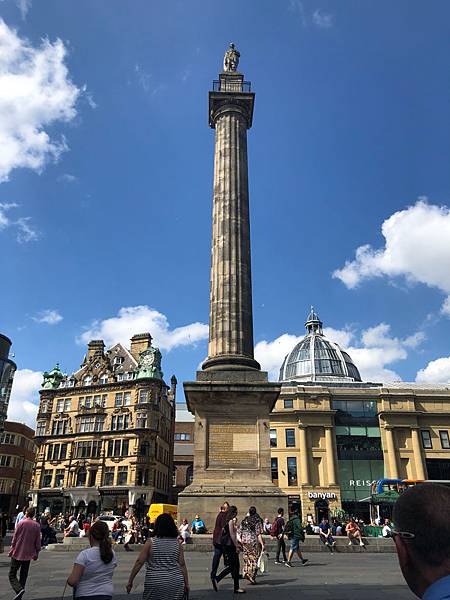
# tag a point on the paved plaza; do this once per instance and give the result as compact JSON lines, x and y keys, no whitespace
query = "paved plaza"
{"x":336,"y":577}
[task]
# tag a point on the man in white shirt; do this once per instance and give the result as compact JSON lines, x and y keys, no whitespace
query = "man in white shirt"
{"x":73,"y":530}
{"x":20,"y":516}
{"x":387,"y":529}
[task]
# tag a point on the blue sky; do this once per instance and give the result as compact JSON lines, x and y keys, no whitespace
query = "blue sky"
{"x":105,"y":199}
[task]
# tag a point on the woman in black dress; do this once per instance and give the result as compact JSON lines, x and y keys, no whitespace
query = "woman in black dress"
{"x":230,"y":547}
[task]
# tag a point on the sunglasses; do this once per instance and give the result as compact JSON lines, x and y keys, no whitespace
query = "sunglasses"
{"x":405,"y":535}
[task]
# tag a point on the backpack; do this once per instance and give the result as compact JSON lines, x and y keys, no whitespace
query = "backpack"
{"x":289,"y":529}
{"x":275,"y":528}
{"x":225,"y":537}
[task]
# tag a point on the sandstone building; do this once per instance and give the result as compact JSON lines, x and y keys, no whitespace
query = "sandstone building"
{"x":17,"y":454}
{"x":332,"y":435}
{"x":105,"y":433}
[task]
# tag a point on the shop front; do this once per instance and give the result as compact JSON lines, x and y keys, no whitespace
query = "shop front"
{"x":356,"y":477}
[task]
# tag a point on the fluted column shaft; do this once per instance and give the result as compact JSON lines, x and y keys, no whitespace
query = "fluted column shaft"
{"x":418,"y":458}
{"x":392,"y":454}
{"x":231,"y":321}
{"x":329,"y":445}
{"x":304,"y":461}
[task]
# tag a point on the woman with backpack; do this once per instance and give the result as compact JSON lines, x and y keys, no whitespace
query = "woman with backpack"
{"x":230,"y":545}
{"x":250,"y":535}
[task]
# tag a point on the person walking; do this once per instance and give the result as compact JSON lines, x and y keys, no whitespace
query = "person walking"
{"x":166,"y":576}
{"x":296,"y":534}
{"x":250,"y":536}
{"x":25,"y":546}
{"x":230,"y":545}
{"x":277,"y":531}
{"x":217,"y":533}
{"x":20,"y":516}
{"x":92,"y":572}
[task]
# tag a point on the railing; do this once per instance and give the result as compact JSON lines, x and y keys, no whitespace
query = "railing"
{"x":231,"y":86}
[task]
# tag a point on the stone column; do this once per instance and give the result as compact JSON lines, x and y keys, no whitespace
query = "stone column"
{"x":418,"y":458}
{"x":392,"y":453}
{"x":331,"y":463}
{"x":304,"y":460}
{"x":230,"y":319}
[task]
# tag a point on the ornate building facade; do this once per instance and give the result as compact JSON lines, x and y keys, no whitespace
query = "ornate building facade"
{"x":105,"y":433}
{"x":332,"y":434}
{"x":7,"y":371}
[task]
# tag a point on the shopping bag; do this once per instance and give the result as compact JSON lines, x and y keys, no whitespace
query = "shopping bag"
{"x":263,"y":563}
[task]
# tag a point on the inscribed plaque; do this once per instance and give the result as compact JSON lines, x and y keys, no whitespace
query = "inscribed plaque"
{"x":232,"y":446}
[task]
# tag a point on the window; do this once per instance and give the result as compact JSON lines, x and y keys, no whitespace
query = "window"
{"x":56,"y":451}
{"x":92,"y":477}
{"x":126,"y":398}
{"x":46,"y":406}
{"x":88,"y":402}
{"x":8,"y":438}
{"x":40,"y":428}
{"x":97,"y":401}
{"x":47,"y":478}
{"x":274,"y":469}
{"x":91,"y":423}
{"x":292,"y":470}
{"x":143,"y":396}
{"x":118,"y":448}
{"x":129,"y":375}
{"x":120,"y":377}
{"x":60,"y":427}
{"x":81,"y":477}
{"x":273,"y":438}
{"x":182,"y":437}
{"x":288,"y":404}
{"x":445,"y":441}
{"x":108,"y":477}
{"x":118,"y":360}
{"x":104,"y":379}
{"x":88,"y":449}
{"x":189,"y":474}
{"x":60,"y":405}
{"x":59,"y":478}
{"x":290,"y":438}
{"x":80,"y":402}
{"x":122,"y":476}
{"x":119,"y":422}
{"x":87,"y":380}
{"x":141,"y":420}
{"x":426,"y":439}
{"x":5,"y":461}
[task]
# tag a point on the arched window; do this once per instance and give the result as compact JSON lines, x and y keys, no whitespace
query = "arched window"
{"x":81,"y":477}
{"x":189,"y":474}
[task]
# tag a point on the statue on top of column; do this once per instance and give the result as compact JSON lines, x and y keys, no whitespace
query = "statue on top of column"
{"x":231,"y":59}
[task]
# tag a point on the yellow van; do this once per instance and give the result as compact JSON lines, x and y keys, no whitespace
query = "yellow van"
{"x":158,"y":509}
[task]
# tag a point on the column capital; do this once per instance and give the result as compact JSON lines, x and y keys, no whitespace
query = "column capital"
{"x":301,"y":425}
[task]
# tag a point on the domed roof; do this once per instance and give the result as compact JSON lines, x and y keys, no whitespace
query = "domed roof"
{"x":315,"y":358}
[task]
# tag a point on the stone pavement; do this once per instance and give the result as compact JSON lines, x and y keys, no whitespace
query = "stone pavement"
{"x":327,"y":577}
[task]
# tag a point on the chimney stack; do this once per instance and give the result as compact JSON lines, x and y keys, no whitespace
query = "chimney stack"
{"x":139,"y":343}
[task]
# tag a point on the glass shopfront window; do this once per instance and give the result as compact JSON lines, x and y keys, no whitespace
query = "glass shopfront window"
{"x":356,"y":478}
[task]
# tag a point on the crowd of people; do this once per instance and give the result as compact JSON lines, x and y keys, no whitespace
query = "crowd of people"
{"x":421,"y":538}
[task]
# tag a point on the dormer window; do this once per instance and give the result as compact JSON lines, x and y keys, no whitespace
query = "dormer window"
{"x":87,"y":380}
{"x":118,"y":360}
{"x":71,"y":382}
{"x":104,"y":379}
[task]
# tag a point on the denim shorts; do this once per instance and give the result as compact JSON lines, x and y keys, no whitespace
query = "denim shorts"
{"x":295,"y":544}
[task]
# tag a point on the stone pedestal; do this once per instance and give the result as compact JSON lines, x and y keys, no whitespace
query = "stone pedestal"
{"x":232,"y":447}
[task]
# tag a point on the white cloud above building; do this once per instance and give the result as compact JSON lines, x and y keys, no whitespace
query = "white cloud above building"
{"x":24,"y":400}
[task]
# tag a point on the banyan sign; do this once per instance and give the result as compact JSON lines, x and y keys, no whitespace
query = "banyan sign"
{"x":321,"y":495}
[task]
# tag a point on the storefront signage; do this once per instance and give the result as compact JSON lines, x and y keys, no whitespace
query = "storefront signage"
{"x":321,"y":495}
{"x":360,"y":482}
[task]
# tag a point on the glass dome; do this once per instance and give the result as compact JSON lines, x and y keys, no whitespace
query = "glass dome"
{"x":315,"y":358}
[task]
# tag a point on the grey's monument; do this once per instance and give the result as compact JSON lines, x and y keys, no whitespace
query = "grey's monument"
{"x":231,"y":397}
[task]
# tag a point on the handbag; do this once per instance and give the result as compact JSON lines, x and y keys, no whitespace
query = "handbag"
{"x":263,"y":563}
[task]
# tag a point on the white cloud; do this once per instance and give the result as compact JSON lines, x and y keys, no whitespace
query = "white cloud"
{"x":270,"y":355}
{"x":417,"y":247}
{"x":51,"y":317}
{"x":67,"y":178}
{"x":25,"y":231}
{"x":35,"y":93}
{"x":373,"y":351}
{"x":24,"y":6}
{"x":436,"y":371}
{"x":296,"y":7}
{"x":322,"y":19}
{"x":138,"y":319}
{"x":24,"y":401}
